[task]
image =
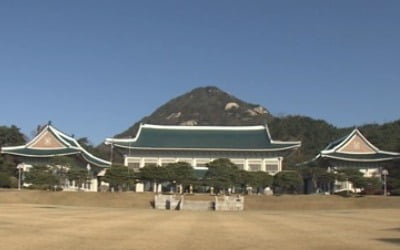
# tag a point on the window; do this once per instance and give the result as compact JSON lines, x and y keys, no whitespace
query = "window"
{"x":271,"y":168}
{"x":165,"y":162}
{"x":254,"y":167}
{"x":150,"y":161}
{"x":133,"y":163}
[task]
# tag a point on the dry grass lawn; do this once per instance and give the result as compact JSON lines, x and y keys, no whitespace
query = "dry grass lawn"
{"x":142,"y":200}
{"x":42,"y":226}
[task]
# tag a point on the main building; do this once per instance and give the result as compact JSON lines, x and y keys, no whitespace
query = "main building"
{"x":249,"y":147}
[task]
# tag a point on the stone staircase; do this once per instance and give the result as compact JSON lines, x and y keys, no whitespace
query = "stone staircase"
{"x":223,"y":203}
{"x":197,"y":205}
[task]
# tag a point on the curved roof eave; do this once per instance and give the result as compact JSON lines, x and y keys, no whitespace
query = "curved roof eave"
{"x":211,"y":149}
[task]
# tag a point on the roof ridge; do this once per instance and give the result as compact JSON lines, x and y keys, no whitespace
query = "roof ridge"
{"x":201,"y":127}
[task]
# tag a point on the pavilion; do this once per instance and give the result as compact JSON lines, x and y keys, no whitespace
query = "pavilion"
{"x":355,"y":151}
{"x":51,"y":142}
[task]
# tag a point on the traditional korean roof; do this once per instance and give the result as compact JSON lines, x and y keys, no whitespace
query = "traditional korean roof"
{"x":356,"y":148}
{"x":51,"y":142}
{"x":231,"y":138}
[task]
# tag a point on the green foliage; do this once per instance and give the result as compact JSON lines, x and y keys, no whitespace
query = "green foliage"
{"x":385,"y":136}
{"x":9,"y":136}
{"x":314,"y":135}
{"x":79,"y":175}
{"x":395,"y":191}
{"x":119,"y":177}
{"x":5,"y":181}
{"x":42,"y":177}
{"x":351,"y":174}
{"x":393,"y":183}
{"x":152,"y":172}
{"x":311,"y":172}
{"x":221,"y":174}
{"x":358,"y":181}
{"x":393,"y":179}
{"x":326,"y":178}
{"x":258,"y":180}
{"x":175,"y":173}
{"x":180,"y":172}
{"x":287,"y":182}
{"x":13,"y":182}
{"x":8,"y":165}
{"x":371,"y":185}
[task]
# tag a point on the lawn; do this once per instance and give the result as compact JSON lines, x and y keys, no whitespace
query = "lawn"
{"x":27,"y":225}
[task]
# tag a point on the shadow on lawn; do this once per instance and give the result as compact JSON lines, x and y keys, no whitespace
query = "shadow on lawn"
{"x":391,"y":240}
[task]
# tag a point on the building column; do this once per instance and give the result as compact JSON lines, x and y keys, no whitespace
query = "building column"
{"x":263,"y":167}
{"x":141,"y":162}
{"x":139,"y":187}
{"x":246,"y":165}
{"x":155,"y":187}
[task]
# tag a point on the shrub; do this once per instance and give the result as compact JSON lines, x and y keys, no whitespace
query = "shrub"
{"x":288,"y":182}
{"x":13,"y":182}
{"x":5,"y":181}
{"x":395,"y":191}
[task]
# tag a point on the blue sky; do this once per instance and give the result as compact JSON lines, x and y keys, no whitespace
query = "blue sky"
{"x":96,"y":67}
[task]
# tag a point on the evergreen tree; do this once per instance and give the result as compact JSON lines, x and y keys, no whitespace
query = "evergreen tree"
{"x":288,"y":182}
{"x":42,"y":177}
{"x":9,"y":136}
{"x":119,"y":177}
{"x":222,"y":174}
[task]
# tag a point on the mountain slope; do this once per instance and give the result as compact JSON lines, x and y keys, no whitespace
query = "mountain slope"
{"x":204,"y":106}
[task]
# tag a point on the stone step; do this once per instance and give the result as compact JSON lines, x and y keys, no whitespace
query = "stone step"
{"x":197,"y":205}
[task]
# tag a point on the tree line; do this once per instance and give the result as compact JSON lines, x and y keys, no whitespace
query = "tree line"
{"x":223,"y":176}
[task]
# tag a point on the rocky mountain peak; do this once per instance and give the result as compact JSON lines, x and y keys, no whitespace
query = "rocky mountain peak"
{"x":204,"y":106}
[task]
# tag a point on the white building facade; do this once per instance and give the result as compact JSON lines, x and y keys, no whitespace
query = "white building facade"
{"x":251,"y":148}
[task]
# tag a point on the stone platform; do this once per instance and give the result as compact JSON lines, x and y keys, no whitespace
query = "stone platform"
{"x":221,"y":203}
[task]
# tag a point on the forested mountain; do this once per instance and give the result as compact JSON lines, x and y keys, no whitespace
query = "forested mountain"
{"x":204,"y":106}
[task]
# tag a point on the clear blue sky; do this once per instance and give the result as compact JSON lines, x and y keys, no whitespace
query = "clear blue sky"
{"x":96,"y":67}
